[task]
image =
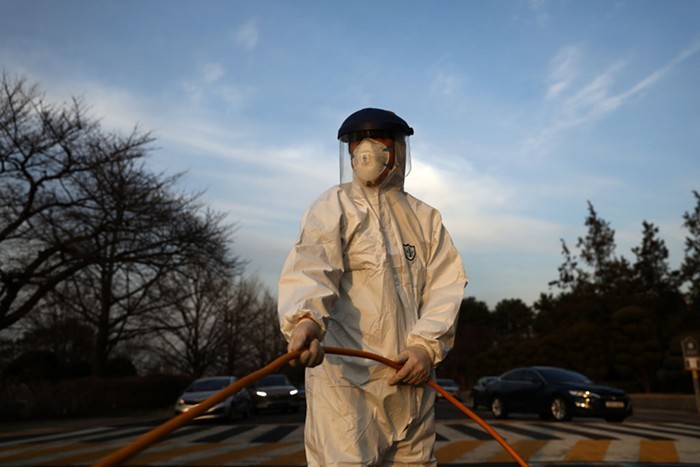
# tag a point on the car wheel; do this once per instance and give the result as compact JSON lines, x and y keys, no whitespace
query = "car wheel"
{"x":498,"y":408}
{"x":559,"y":409}
{"x":245,"y":411}
{"x":235,"y":412}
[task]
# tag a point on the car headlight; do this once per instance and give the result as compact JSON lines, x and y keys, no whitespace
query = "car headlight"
{"x":181,"y":401}
{"x":261,"y":393}
{"x":293,"y":392}
{"x":583,"y":394}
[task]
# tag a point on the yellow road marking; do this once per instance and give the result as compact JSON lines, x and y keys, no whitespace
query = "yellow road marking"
{"x":456,"y":449}
{"x":29,"y":453}
{"x":524,"y":448}
{"x":657,"y":451}
{"x":238,"y":454}
{"x":149,"y":457}
{"x":82,"y":457}
{"x":588,"y":450}
{"x":294,"y":458}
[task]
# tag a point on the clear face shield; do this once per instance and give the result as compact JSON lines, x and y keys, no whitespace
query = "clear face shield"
{"x":374,"y":158}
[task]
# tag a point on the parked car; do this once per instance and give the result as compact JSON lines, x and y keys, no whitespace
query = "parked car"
{"x":275,"y":392}
{"x":478,"y":396}
{"x":555,"y":394}
{"x":450,"y":386}
{"x":237,"y":405}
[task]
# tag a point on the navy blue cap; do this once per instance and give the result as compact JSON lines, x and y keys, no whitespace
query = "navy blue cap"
{"x":370,"y":120}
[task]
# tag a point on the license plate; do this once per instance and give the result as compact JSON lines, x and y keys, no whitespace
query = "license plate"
{"x":614,"y":404}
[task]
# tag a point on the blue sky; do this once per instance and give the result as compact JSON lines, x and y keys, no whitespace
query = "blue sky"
{"x":523,"y":110}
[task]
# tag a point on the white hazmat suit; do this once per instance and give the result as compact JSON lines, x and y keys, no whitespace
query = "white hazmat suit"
{"x":376,"y":269}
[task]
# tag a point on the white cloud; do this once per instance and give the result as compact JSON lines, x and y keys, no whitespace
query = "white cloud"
{"x":563,"y":70}
{"x":541,"y":14}
{"x":478,"y":210}
{"x":655,"y":76}
{"x":596,"y":98}
{"x":446,"y":84}
{"x":593,"y":100}
{"x":212,"y":72}
{"x":209,"y":88}
{"x":116,"y":108}
{"x":247,"y":35}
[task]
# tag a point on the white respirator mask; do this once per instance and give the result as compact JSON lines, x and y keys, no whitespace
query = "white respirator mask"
{"x":372,"y":161}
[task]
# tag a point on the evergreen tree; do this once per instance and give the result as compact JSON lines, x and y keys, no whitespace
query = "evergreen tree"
{"x":652,"y":273}
{"x":690,"y":269}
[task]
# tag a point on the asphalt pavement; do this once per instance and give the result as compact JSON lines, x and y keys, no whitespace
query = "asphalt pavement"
{"x":444,"y":411}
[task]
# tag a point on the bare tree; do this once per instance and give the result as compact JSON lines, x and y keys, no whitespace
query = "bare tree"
{"x":82,"y":218}
{"x":44,"y":149}
{"x":264,"y":341}
{"x":149,"y":234}
{"x":237,"y":323}
{"x":191,"y":336}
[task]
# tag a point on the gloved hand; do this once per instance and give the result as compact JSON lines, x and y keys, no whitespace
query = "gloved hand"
{"x":416,"y":368}
{"x":305,"y":336}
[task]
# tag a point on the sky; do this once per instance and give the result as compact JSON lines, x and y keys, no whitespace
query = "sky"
{"x":524,"y":111}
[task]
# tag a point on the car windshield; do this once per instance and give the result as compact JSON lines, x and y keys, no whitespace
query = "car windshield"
{"x":557,"y":375}
{"x":213,"y":384}
{"x":274,"y":380}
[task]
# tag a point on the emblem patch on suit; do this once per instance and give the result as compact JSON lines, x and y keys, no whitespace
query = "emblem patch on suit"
{"x":409,"y":251}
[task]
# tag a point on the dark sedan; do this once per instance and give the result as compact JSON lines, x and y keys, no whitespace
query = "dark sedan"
{"x":479,"y":395}
{"x":275,"y":392}
{"x":237,"y":405}
{"x":450,"y":386}
{"x":555,"y":394}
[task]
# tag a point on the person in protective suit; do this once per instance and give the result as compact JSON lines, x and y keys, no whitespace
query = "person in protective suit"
{"x":373,"y":268}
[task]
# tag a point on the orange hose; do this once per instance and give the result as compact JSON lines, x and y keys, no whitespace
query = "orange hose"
{"x":159,"y":432}
{"x":494,"y":434}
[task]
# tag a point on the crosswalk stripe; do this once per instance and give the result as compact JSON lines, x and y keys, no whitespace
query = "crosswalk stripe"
{"x":456,"y":449}
{"x":573,"y":431}
{"x":657,"y":451}
{"x":525,"y":448}
{"x":294,"y":458}
{"x":182,"y":432}
{"x":91,"y":455}
{"x":118,"y":435}
{"x":688,"y":451}
{"x":32,"y":451}
{"x":477,"y":433}
{"x":527,"y":432}
{"x":629,"y":430}
{"x":50,"y":437}
{"x":275,"y":434}
{"x":458,"y":443}
{"x":588,"y":450}
{"x":238,"y":454}
{"x":223,"y":435}
{"x":623,"y":451}
{"x":676,"y":430}
{"x":170,"y":452}
{"x":553,"y":450}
